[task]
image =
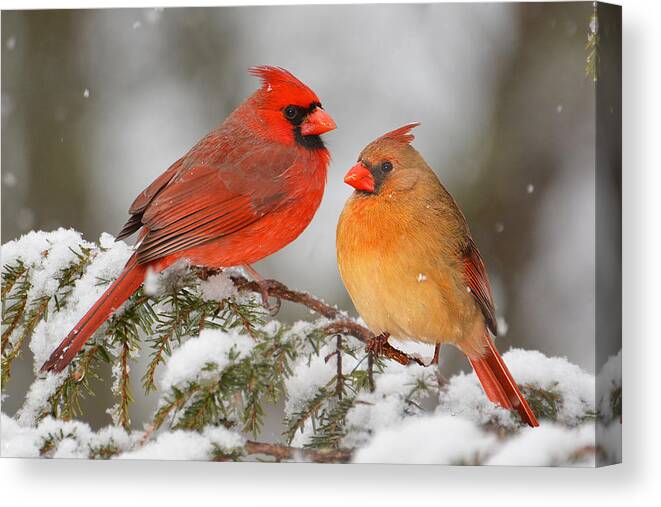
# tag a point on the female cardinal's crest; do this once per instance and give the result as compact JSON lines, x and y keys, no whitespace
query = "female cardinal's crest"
{"x":282,"y":82}
{"x":402,"y":134}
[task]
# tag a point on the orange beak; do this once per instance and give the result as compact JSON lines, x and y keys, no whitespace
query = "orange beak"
{"x":360,"y":178}
{"x":317,"y":122}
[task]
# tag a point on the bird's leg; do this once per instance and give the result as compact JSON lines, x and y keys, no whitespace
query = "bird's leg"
{"x":379,"y":346}
{"x":376,"y":344}
{"x":263,"y":285}
{"x":437,"y":354}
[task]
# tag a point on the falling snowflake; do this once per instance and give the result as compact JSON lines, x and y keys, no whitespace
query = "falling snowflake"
{"x":154,"y":15}
{"x":502,"y":326}
{"x":9,"y":179}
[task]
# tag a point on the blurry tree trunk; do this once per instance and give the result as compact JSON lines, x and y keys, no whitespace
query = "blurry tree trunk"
{"x":53,"y":159}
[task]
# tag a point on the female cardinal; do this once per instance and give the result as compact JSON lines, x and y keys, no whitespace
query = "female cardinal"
{"x":246,"y":190}
{"x":413,"y":271}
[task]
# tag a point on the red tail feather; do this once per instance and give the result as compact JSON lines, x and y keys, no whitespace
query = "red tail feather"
{"x":120,"y":290}
{"x":499,"y":385}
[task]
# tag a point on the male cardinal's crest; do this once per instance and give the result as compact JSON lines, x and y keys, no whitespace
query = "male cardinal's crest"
{"x":279,"y":84}
{"x":273,"y":75}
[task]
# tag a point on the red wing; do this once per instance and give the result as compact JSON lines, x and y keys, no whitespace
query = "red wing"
{"x":191,"y":212}
{"x":214,"y":194}
{"x":478,"y":282}
{"x":146,"y":196}
{"x":154,"y":188}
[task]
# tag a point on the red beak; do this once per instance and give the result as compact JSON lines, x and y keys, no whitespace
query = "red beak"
{"x":360,"y":178}
{"x":317,"y":122}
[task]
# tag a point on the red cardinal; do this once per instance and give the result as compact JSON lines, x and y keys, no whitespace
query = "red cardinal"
{"x":243,"y":192}
{"x":409,"y":263}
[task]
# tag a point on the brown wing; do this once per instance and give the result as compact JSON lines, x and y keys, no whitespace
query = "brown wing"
{"x":478,"y":282}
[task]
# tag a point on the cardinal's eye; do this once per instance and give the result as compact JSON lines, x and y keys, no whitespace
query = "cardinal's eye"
{"x":386,"y":166}
{"x":291,"y":112}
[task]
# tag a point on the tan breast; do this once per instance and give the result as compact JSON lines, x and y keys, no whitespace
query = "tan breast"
{"x":401,"y":268}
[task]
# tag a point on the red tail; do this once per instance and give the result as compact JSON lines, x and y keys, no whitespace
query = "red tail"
{"x":499,"y":385}
{"x":120,"y":290}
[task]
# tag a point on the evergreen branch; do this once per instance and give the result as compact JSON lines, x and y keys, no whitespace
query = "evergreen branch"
{"x":282,"y":452}
{"x":244,"y":317}
{"x":105,"y":451}
{"x":186,"y":315}
{"x":33,"y":318}
{"x":332,"y":428}
{"x":419,"y":387}
{"x":253,"y":413}
{"x":69,"y":275}
{"x":161,"y":344}
{"x":124,"y":388}
{"x":297,"y":420}
{"x":359,"y":379}
{"x":235,"y":393}
{"x":17,"y":312}
{"x":52,"y":440}
{"x":544,"y":402}
{"x":65,"y":401}
{"x":203,"y":410}
{"x":11,"y":275}
{"x":174,"y":403}
{"x":14,"y":312}
{"x":162,"y":347}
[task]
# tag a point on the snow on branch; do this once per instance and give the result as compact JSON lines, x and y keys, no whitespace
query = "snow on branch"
{"x":219,"y":364}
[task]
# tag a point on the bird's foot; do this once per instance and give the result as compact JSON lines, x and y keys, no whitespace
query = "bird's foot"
{"x":377,"y":344}
{"x":264,"y":286}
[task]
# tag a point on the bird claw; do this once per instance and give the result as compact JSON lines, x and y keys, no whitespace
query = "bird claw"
{"x":377,"y":344}
{"x":264,"y":286}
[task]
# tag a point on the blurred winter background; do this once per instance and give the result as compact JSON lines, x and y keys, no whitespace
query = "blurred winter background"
{"x":97,"y":103}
